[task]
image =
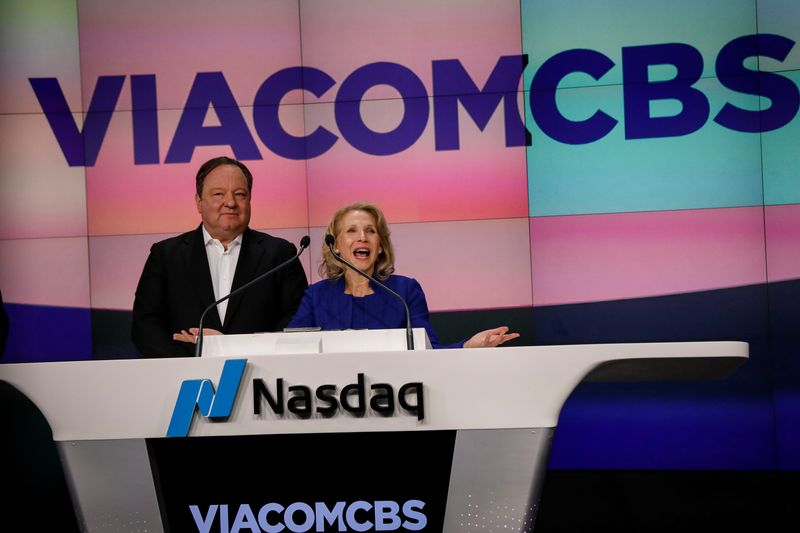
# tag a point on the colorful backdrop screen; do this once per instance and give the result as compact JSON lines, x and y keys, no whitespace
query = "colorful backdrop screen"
{"x":585,"y":171}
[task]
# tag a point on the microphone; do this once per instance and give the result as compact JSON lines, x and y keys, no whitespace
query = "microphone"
{"x":329,"y":240}
{"x":198,"y":349}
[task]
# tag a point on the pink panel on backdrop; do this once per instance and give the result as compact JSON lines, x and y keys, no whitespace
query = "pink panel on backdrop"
{"x":412,"y":33}
{"x":478,"y":264}
{"x":247,"y":41}
{"x":124,"y":198}
{"x":117,"y":261}
{"x":590,"y":258}
{"x":40,"y":196}
{"x":51,"y":272}
{"x":783,"y":242}
{"x":482,"y":180}
{"x":317,"y":242}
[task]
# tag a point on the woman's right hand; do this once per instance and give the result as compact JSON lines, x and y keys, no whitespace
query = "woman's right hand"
{"x":490,"y":338}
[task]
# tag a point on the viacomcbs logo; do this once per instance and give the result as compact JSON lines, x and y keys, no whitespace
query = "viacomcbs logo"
{"x":453,"y":89}
{"x":302,"y":517}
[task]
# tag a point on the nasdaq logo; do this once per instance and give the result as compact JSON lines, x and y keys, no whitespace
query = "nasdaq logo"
{"x":200,"y":394}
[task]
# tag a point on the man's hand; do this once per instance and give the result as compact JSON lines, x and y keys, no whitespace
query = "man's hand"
{"x":191,"y":335}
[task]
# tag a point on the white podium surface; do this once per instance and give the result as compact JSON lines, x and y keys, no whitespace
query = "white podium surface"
{"x":503,"y":404}
{"x":506,"y":387}
{"x":351,"y":340}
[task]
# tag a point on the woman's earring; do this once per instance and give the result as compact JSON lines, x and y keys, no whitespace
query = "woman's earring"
{"x":336,"y":251}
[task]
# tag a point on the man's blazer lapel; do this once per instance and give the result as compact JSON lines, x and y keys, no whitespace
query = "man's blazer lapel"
{"x":246,"y":269}
{"x":200,"y":275}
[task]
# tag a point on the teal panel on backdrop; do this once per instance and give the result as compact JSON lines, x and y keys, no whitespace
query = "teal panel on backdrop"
{"x":780,"y":17}
{"x":553,"y":26}
{"x":781,"y":150}
{"x":712,"y":167}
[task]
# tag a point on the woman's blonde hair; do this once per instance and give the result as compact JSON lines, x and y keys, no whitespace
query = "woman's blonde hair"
{"x":330,"y":268}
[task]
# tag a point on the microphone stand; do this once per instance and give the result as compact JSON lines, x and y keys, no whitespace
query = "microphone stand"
{"x":329,"y":240}
{"x":198,"y":349}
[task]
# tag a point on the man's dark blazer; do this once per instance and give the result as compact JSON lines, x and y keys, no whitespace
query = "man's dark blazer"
{"x":175,"y":288}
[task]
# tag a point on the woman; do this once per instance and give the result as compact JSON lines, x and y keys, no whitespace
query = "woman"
{"x":347,"y":300}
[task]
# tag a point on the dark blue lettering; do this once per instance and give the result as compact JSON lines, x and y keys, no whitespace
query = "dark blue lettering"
{"x":348,"y":113}
{"x":265,"y":113}
{"x":144,"y":105}
{"x":211,"y":89}
{"x":639,"y":91}
{"x":780,"y":90}
{"x":543,"y":97}
{"x":452,"y":83}
{"x":80,"y":148}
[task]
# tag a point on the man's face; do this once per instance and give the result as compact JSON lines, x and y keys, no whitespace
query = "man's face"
{"x":225,"y":204}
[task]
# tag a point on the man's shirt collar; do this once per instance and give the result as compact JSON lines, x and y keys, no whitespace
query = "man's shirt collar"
{"x":207,"y":238}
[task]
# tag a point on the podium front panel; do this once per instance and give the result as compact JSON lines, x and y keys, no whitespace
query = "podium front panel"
{"x":436,"y":481}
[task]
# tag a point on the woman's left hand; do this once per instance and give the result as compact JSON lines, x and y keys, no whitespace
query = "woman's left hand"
{"x":490,"y":338}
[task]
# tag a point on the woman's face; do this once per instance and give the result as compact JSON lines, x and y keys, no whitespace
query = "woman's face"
{"x":358,"y":240}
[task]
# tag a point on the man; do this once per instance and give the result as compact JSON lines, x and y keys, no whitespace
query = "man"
{"x":185,"y":274}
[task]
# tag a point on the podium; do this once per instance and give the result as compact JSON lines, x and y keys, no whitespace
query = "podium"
{"x":449,"y":440}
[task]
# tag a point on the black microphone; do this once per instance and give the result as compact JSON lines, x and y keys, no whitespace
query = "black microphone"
{"x":329,"y":240}
{"x":198,"y":349}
